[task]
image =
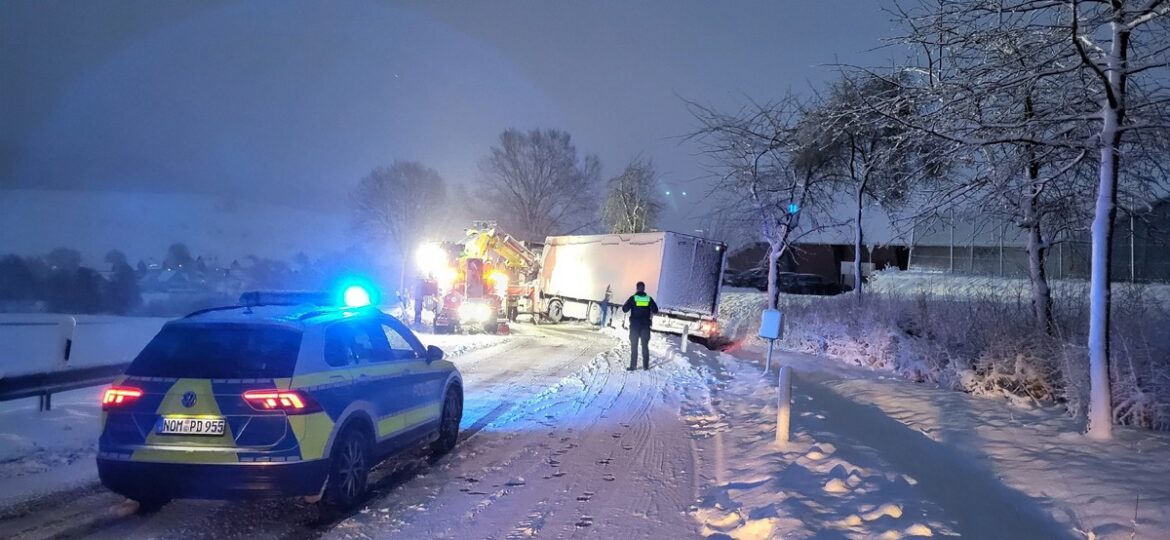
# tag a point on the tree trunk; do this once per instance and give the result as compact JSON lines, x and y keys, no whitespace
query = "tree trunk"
{"x":1112,"y":116}
{"x":1037,"y":252}
{"x":1100,"y":397}
{"x":1041,"y":294}
{"x":857,"y":245}
{"x":774,"y":251}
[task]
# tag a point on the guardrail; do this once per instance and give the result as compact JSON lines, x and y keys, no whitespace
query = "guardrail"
{"x":44,"y":385}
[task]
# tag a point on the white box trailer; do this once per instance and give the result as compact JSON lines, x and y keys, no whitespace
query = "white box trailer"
{"x":683,"y":273}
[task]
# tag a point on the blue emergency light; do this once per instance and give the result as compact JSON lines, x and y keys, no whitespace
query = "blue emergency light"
{"x":356,"y":296}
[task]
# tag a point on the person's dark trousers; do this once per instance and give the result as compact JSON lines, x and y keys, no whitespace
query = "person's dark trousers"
{"x":641,"y":334}
{"x":418,"y":306}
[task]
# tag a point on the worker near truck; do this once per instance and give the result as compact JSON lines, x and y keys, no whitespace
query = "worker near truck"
{"x":606,"y":306}
{"x":424,"y":287}
{"x":642,"y":308}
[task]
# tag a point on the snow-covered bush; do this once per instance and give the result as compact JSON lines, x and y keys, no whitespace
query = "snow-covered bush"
{"x":985,"y":344}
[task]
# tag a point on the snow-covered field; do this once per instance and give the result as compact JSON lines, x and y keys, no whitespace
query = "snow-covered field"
{"x":32,"y":343}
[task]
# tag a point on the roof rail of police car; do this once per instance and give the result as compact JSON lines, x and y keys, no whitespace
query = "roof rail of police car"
{"x":196,"y":313}
{"x":251,"y":299}
{"x":285,"y":298}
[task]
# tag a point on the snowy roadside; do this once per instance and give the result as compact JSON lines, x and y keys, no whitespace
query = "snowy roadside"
{"x":50,"y":451}
{"x":877,"y":457}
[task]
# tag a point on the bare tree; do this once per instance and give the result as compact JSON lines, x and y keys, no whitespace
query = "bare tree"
{"x":1111,"y":102}
{"x":1132,"y":95}
{"x":631,"y":203}
{"x":765,"y":157}
{"x":535,"y":184}
{"x":399,"y":204}
{"x":877,"y":158}
{"x":1013,"y":127}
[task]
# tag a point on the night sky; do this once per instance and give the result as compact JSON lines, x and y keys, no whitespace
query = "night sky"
{"x":292,"y":102}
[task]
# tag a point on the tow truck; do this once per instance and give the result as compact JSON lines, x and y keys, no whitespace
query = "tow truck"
{"x":485,"y":286}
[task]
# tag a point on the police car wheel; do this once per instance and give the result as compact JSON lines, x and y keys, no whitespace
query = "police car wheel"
{"x":349,"y":471}
{"x":449,"y":423}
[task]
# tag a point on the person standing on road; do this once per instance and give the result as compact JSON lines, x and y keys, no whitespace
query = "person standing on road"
{"x":605,"y":306}
{"x":420,"y":292}
{"x":642,"y":309}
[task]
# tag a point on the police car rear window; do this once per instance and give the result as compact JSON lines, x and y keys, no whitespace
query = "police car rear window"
{"x":219,"y":352}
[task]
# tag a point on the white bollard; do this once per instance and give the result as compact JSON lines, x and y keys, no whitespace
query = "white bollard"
{"x":66,"y":327}
{"x":685,"y":337}
{"x":768,"y":361}
{"x":784,"y":406}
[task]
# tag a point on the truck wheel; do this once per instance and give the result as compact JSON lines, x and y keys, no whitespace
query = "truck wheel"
{"x":593,"y":315}
{"x":556,"y":311}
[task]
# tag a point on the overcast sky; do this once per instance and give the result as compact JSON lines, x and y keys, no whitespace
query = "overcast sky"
{"x":294,"y":101}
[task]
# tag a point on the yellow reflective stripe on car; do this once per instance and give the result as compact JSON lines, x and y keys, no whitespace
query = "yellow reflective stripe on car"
{"x":422,"y":414}
{"x":374,"y":369}
{"x":394,"y":424}
{"x":189,"y":448}
{"x":312,"y":433}
{"x":186,"y":455}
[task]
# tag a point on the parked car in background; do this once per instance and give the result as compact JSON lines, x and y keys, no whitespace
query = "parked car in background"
{"x":786,"y":282}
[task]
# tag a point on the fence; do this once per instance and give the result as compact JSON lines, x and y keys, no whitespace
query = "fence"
{"x":1140,"y":252}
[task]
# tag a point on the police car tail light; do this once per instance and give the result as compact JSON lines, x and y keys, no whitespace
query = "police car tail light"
{"x":289,"y":401}
{"x":117,"y":396}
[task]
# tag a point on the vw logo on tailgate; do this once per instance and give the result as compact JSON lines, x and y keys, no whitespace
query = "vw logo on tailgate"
{"x":189,"y":399}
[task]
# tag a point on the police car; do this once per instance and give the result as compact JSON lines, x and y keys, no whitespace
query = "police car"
{"x":282,"y":395}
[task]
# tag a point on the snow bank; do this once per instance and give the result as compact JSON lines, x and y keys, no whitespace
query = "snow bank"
{"x":41,"y":452}
{"x":876,"y":457}
{"x":981,"y":344}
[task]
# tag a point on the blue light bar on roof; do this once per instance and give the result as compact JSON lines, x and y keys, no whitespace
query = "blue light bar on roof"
{"x":286,"y":298}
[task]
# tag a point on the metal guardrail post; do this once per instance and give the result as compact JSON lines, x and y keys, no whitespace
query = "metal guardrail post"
{"x":67,"y":326}
{"x":686,"y":334}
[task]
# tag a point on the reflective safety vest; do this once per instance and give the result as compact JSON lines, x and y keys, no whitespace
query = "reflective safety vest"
{"x":642,"y":300}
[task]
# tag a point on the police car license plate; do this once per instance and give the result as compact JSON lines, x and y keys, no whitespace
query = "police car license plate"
{"x":191,"y":426}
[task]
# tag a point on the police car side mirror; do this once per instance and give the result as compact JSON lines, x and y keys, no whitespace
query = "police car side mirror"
{"x":434,"y":353}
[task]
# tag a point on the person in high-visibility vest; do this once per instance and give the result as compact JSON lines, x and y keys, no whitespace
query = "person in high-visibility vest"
{"x":642,"y":309}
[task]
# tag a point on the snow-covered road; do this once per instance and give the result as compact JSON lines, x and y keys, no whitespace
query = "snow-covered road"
{"x":559,"y":440}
